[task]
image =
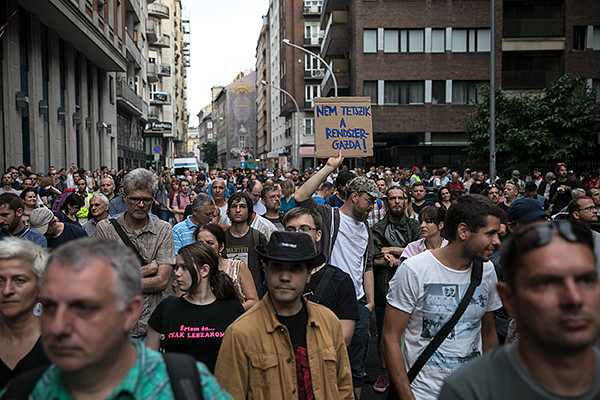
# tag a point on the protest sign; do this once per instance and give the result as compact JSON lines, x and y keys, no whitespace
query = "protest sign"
{"x":343,"y":123}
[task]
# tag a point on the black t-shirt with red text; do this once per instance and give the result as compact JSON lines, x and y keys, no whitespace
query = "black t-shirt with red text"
{"x":296,"y":326}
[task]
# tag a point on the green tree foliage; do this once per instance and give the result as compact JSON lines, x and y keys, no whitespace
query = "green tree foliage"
{"x":210,"y":153}
{"x":562,"y":123}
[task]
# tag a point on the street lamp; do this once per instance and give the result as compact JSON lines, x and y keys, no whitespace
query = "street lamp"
{"x":297,"y":119}
{"x":335,"y":89}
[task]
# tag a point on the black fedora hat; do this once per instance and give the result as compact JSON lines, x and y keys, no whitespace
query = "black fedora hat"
{"x":290,"y":247}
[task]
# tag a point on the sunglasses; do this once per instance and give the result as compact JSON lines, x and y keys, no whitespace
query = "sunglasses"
{"x":536,"y":236}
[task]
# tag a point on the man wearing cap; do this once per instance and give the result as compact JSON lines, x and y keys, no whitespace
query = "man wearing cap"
{"x":348,"y":244}
{"x":11,"y":211}
{"x":286,"y":347}
{"x":56,"y":232}
{"x":415,"y":176}
{"x":516,"y":178}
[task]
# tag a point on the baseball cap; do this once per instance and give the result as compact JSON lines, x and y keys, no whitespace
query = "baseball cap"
{"x":290,"y":247}
{"x":40,"y":219}
{"x":525,"y":210}
{"x":362,"y":184}
{"x":516,"y":173}
{"x":415,"y":168}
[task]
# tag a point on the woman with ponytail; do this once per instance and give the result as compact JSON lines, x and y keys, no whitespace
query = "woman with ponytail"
{"x":195,"y":323}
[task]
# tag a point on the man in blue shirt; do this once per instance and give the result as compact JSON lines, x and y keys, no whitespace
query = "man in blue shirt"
{"x":203,"y":210}
{"x":11,"y":211}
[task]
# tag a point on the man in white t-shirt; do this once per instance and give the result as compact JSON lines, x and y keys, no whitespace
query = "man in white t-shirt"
{"x":348,"y":244}
{"x":425,"y":292}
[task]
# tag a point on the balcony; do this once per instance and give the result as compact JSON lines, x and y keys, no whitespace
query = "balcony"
{"x":312,"y":10}
{"x":533,"y":27}
{"x":133,"y":52}
{"x":314,"y":74}
{"x":313,"y":41}
{"x":331,"y":5}
{"x":341,"y":70}
{"x":128,"y":99}
{"x":163,"y":41}
{"x":133,"y":6}
{"x":335,"y":39}
{"x":151,"y":31}
{"x":151,"y":73}
{"x":159,"y":98}
{"x":164,"y":70}
{"x":153,"y":113}
{"x":158,"y":10}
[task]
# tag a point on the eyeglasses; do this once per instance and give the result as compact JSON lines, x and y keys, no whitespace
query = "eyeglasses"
{"x":590,"y":208}
{"x":303,"y":229}
{"x":536,"y":236}
{"x":145,"y":200}
{"x":369,"y":198}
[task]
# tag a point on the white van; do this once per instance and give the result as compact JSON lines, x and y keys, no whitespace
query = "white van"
{"x":185,"y":163}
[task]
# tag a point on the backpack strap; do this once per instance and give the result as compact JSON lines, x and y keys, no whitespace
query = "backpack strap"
{"x":316,"y":297}
{"x":126,"y":240}
{"x":184,"y":376}
{"x":332,"y":200}
{"x":23,"y":384}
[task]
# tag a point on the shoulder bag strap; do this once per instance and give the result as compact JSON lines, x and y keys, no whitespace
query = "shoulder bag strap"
{"x":24,"y":383}
{"x":126,"y":241}
{"x":316,"y":297}
{"x":184,"y":377}
{"x":476,"y":273}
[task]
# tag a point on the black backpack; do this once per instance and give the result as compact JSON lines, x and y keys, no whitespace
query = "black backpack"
{"x":183,"y":374}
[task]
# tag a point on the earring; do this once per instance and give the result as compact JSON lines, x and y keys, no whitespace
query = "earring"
{"x":37,"y":311}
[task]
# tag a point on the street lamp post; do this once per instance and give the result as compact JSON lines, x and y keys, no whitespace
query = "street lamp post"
{"x":335,"y":87}
{"x":297,"y":119}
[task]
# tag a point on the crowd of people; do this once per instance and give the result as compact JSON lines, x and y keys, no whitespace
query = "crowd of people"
{"x":263,"y":284}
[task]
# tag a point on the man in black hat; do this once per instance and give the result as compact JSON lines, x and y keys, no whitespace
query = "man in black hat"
{"x":265,"y":353}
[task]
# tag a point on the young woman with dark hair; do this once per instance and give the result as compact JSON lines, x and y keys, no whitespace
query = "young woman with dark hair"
{"x":214,"y":236}
{"x":195,"y":323}
{"x":432,"y":225}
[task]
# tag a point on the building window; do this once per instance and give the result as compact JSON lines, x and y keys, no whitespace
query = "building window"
{"x":416,"y":40}
{"x":466,"y":92}
{"x":111,"y":90}
{"x":370,"y":41}
{"x":370,"y":90}
{"x":470,"y":40}
{"x":438,"y":92}
{"x":579,"y":33}
{"x":312,"y":91}
{"x":404,"y":92}
{"x":438,"y":40}
{"x":530,"y":70}
{"x":390,"y":40}
{"x":596,"y":38}
{"x":242,"y":141}
{"x":312,"y":63}
{"x":309,"y":126}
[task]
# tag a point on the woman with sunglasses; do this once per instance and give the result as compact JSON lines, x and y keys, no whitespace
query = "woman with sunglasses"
{"x":195,"y":322}
{"x":214,"y":236}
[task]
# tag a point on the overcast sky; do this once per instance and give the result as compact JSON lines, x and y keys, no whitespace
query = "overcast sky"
{"x":223,"y":41}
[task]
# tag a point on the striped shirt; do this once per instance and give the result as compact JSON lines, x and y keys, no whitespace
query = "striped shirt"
{"x":377,"y":213}
{"x":148,"y":380}
{"x":183,"y":233}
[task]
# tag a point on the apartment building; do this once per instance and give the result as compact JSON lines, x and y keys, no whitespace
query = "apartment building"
{"x":234,"y":116}
{"x":168,"y":56}
{"x":57,"y":82}
{"x":263,"y":110}
{"x":420,"y":62}
{"x":299,"y":74}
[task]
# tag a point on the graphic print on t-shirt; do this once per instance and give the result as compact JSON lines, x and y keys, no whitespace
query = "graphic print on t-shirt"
{"x":238,"y":253}
{"x":195,"y":332}
{"x":440,"y":300}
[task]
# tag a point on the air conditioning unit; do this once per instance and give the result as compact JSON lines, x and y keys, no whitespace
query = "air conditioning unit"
{"x":306,"y":10}
{"x":317,"y":73}
{"x":131,"y":82}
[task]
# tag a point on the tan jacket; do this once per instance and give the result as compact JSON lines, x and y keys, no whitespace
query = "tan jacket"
{"x":256,"y":360}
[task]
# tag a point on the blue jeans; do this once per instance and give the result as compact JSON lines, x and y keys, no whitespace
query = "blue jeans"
{"x":359,"y":346}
